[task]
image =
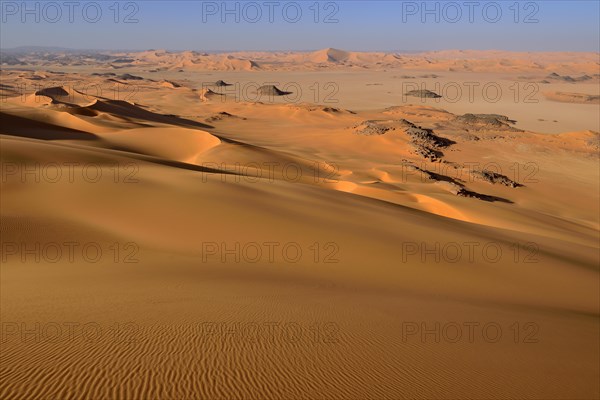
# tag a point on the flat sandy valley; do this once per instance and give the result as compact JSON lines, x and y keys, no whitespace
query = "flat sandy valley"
{"x":300,"y":225}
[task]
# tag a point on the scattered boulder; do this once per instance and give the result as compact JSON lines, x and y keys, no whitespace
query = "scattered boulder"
{"x":426,"y":152}
{"x":457,"y":188}
{"x":371,"y":128}
{"x":474,"y":195}
{"x":493,"y":177}
{"x":488,"y":122}
{"x":221,"y":83}
{"x":423,"y":94}
{"x":567,"y":78}
{"x":434,"y":176}
{"x":129,"y":77}
{"x":271,"y":90}
{"x":428,"y":137}
{"x":221,"y":116}
{"x":425,"y":142}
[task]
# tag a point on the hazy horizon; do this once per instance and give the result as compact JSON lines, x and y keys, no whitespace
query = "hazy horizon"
{"x":300,"y":26}
{"x":31,"y":48}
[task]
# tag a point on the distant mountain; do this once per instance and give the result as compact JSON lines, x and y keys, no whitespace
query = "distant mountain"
{"x":38,"y":49}
{"x":10,"y":59}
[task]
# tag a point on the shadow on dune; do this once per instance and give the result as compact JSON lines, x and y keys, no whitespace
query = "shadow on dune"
{"x":485,"y":197}
{"x":125,"y":109}
{"x":23,"y":127}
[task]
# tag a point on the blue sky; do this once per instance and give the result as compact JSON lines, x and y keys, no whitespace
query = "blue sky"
{"x":546,"y":25}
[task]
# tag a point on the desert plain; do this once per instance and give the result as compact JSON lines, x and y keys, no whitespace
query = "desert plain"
{"x":326,"y":224}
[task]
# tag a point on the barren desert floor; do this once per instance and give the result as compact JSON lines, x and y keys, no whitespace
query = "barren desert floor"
{"x":165,"y":237}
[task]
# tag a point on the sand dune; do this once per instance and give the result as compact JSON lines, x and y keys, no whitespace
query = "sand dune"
{"x":330,"y":55}
{"x":170,"y":182}
{"x":561,"y":63}
{"x":170,"y":84}
{"x":208,"y":94}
